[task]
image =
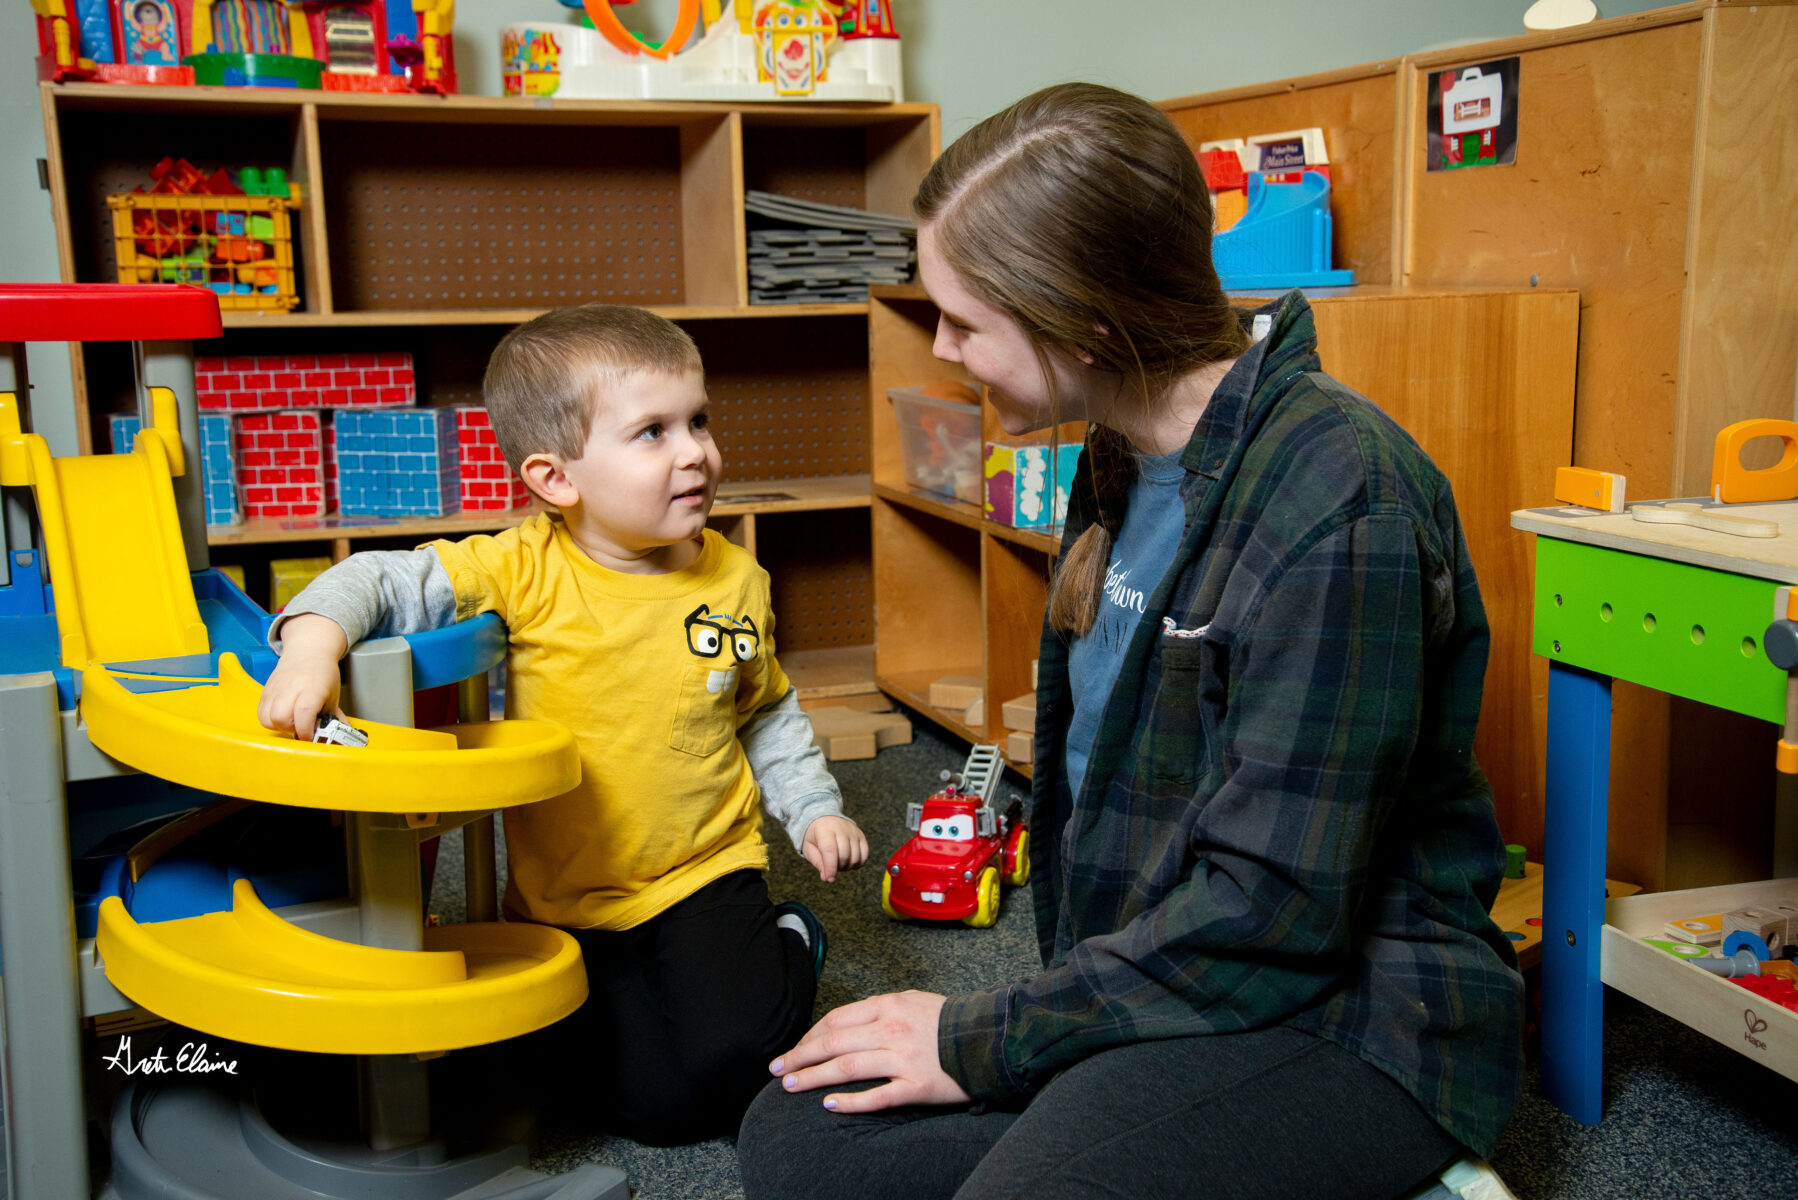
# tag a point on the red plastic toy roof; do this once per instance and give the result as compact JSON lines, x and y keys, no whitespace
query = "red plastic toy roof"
{"x":106,"y":312}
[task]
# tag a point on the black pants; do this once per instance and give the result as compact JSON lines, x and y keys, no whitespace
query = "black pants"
{"x":1255,"y":1116}
{"x":683,"y":1015}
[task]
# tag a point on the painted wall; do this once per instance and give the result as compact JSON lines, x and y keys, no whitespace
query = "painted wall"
{"x":972,"y":57}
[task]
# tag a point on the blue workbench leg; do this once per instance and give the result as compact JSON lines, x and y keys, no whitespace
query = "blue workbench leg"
{"x":1573,"y":872}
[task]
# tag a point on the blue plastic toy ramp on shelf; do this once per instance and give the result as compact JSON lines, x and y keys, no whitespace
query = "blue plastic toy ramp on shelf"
{"x":1282,"y":240}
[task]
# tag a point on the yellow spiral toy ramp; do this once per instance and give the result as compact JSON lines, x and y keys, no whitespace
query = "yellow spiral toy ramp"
{"x":249,"y":976}
{"x":206,"y":736}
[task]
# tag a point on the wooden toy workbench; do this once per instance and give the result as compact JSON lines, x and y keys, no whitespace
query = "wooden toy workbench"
{"x":1685,"y":611}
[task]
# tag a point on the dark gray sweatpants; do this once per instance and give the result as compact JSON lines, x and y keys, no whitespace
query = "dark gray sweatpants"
{"x":1255,"y":1116}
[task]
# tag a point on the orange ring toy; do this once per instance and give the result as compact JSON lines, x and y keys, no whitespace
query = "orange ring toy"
{"x":606,"y":21}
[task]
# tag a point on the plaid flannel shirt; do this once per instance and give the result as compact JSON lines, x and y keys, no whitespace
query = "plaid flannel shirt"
{"x":1283,"y":822}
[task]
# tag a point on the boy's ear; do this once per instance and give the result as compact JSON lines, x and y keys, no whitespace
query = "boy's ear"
{"x":543,"y":474}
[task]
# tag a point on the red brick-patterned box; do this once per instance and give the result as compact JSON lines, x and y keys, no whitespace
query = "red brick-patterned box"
{"x":280,"y":464}
{"x":242,"y":383}
{"x":488,"y":484}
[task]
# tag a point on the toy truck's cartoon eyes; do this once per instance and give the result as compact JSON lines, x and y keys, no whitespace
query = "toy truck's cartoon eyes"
{"x":959,"y":828}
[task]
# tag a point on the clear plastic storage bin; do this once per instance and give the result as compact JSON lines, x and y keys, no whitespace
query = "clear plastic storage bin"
{"x":940,"y":443}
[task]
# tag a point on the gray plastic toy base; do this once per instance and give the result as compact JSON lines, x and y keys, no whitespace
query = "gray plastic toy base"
{"x":192,"y":1141}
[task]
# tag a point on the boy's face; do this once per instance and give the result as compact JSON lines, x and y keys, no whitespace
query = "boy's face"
{"x":650,"y":468}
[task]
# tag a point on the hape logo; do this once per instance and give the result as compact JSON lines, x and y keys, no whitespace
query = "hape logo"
{"x":1755,"y":1025}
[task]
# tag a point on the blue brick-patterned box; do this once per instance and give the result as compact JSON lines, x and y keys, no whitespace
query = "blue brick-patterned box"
{"x":218,"y":462}
{"x":397,"y":464}
{"x":124,"y":431}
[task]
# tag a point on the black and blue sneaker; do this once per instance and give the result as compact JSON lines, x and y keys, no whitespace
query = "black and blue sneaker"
{"x":803,"y":921}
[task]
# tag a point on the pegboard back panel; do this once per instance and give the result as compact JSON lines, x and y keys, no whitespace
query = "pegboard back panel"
{"x":825,"y":164}
{"x":789,"y":394}
{"x":819,"y":566}
{"x":425,"y":217}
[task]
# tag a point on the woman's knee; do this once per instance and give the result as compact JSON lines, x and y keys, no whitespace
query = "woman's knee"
{"x":782,"y":1144}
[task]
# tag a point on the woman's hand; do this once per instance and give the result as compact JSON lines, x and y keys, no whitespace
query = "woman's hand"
{"x":891,"y":1037}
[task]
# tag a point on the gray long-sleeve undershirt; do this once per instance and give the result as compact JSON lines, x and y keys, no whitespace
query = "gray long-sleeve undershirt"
{"x":389,"y":593}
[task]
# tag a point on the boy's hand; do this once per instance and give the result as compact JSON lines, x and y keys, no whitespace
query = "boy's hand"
{"x":831,"y":844}
{"x":305,"y":682}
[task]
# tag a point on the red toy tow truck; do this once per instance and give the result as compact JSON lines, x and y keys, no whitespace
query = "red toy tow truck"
{"x":960,"y":849}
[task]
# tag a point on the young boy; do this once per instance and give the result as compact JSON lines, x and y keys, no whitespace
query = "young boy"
{"x":650,"y":637}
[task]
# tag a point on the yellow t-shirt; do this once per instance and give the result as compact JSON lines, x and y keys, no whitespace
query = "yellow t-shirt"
{"x":654,"y":674}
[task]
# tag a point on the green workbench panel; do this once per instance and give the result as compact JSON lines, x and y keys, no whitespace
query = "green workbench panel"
{"x":1688,"y":631}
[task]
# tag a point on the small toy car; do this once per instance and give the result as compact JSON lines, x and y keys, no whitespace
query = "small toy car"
{"x":960,"y":850}
{"x":333,"y":732}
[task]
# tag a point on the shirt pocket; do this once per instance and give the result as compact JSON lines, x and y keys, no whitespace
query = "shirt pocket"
{"x":705,"y":712}
{"x":1176,"y":743}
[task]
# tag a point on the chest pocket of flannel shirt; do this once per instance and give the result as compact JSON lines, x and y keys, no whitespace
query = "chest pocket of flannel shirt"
{"x":1177,"y":738}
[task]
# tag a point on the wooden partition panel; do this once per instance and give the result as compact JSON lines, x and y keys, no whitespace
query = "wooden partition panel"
{"x":1484,"y":381}
{"x":1359,"y":113}
{"x":1739,"y":342}
{"x":1597,"y":201}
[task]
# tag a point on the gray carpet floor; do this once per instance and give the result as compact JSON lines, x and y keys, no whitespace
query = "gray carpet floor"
{"x":1685,"y":1118}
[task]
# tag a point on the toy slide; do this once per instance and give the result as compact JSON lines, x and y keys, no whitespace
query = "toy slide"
{"x":128,"y":620}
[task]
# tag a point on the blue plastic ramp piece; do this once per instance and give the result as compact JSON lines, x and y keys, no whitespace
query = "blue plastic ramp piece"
{"x":1282,"y":240}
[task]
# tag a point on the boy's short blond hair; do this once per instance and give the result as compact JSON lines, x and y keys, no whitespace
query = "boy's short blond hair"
{"x":544,"y":378}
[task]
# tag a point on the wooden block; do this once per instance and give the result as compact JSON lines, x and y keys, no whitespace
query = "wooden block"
{"x":864,"y":702}
{"x":843,"y":734}
{"x":956,"y":691}
{"x":975,"y":714}
{"x":1033,"y":663}
{"x":1021,"y":748}
{"x":892,"y":730}
{"x":1019,"y":713}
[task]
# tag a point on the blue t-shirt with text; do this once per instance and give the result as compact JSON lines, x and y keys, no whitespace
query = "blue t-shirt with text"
{"x":1139,"y":557}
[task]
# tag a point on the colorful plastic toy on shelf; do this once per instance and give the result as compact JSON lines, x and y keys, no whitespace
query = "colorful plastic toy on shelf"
{"x":963,"y":846}
{"x":1282,"y":240}
{"x":112,"y":41}
{"x":233,"y":236}
{"x":750,"y":50}
{"x":133,"y":667}
{"x":337,"y":45}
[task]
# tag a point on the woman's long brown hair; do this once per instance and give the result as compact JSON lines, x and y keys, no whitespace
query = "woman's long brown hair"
{"x":1080,"y":212}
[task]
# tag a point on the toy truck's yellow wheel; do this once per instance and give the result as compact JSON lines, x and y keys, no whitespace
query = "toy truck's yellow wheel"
{"x":1019,"y":874}
{"x":988,"y":909}
{"x":886,"y":898}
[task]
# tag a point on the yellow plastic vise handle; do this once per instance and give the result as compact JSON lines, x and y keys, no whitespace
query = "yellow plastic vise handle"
{"x":1732,"y":483}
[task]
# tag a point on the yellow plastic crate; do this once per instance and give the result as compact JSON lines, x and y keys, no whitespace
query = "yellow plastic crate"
{"x":240,"y":247}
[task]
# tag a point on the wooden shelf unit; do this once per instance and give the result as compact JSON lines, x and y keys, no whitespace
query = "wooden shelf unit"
{"x":434,"y":224}
{"x":957,"y":594}
{"x":1644,"y":180}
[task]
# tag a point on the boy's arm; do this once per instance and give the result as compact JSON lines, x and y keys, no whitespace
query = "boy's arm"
{"x":377,"y":593}
{"x":796,"y":786}
{"x":386,"y":592}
